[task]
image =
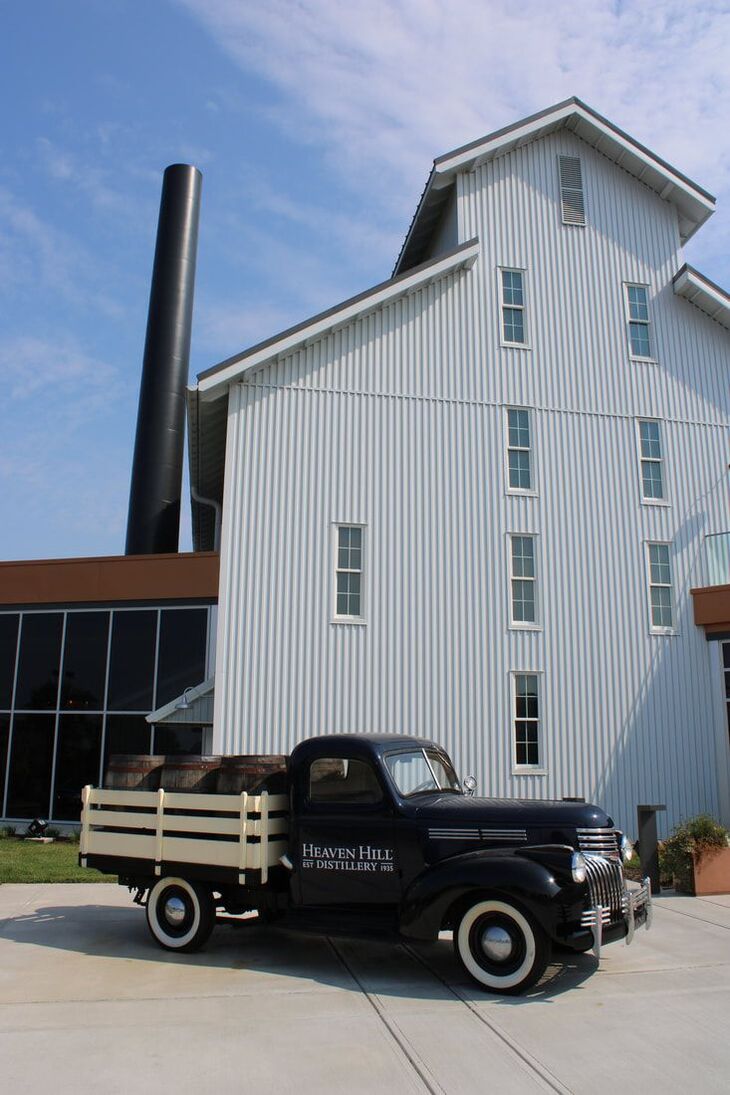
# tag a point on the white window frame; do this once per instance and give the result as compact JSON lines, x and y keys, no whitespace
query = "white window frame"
{"x":645,"y":499}
{"x":336,"y":617}
{"x":724,"y":675}
{"x":648,"y":323}
{"x":524,"y":625}
{"x":656,"y":629}
{"x":521,"y":307}
{"x":539,"y":769}
{"x":522,"y":491}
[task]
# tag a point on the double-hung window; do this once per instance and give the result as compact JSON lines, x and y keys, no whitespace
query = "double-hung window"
{"x":349,"y":573}
{"x":637,"y":313}
{"x":523,"y":581}
{"x":661,"y":613}
{"x":652,"y":470}
{"x":526,"y":720}
{"x":519,"y":450}
{"x":512,"y":300}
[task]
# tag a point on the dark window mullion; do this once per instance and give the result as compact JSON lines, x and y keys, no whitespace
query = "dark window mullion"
{"x":49,"y":812}
{"x":12,"y":708}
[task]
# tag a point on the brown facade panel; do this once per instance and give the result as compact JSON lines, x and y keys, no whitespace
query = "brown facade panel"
{"x":179,"y":577}
{"x":712,"y":607}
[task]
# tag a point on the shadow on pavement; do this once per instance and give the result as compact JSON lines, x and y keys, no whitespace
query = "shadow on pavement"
{"x":414,"y":970}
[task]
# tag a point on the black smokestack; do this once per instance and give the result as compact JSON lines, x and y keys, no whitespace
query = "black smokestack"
{"x":153,"y":524}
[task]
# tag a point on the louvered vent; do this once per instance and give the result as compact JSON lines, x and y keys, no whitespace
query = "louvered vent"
{"x":571,"y":190}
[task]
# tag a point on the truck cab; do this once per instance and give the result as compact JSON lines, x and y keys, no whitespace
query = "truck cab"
{"x":380,"y":824}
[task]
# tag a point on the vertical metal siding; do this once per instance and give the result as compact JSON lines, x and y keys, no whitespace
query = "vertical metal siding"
{"x":396,"y":421}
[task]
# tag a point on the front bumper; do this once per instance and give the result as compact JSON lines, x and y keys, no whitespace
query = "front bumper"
{"x":636,"y":910}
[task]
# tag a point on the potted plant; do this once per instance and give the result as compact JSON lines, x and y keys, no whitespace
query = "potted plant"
{"x":697,"y":856}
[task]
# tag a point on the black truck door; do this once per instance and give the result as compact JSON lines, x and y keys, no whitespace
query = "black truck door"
{"x":346,"y":836}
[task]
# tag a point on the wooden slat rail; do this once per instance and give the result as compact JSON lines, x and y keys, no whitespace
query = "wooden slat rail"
{"x":149,"y":825}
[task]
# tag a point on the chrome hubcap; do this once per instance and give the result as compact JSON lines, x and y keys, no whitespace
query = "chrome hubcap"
{"x":174,"y":910}
{"x":496,"y":943}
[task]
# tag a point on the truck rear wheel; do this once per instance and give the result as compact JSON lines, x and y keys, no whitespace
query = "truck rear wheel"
{"x":180,"y":914}
{"x":502,"y":948}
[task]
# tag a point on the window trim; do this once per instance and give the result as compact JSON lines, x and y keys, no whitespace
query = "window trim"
{"x":539,"y":769}
{"x":526,"y":625}
{"x":361,"y":620}
{"x":664,"y":502}
{"x":653,"y":628}
{"x":649,"y":323}
{"x":524,"y":308}
{"x":521,"y":492}
{"x":581,"y":191}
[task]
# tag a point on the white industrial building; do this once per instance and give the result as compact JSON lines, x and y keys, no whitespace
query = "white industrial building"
{"x":471,"y":502}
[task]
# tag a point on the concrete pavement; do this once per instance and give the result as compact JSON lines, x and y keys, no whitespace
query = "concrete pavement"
{"x":87,"y":998}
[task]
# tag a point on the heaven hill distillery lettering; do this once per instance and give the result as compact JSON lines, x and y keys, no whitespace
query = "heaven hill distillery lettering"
{"x":361,"y":857}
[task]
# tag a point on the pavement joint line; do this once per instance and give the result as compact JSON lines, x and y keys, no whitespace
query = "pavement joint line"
{"x":532,"y":1063}
{"x":702,"y":920}
{"x":717,"y":904}
{"x":662,"y":969}
{"x":418,"y":1065}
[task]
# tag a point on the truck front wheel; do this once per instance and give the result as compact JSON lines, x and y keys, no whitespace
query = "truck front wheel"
{"x":501,"y":947}
{"x":180,"y":914}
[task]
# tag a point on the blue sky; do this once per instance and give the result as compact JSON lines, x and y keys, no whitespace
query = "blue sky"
{"x":314,"y":124}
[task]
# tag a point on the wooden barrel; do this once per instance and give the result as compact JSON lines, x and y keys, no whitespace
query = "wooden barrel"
{"x":252,"y":773}
{"x":190,"y":774}
{"x":133,"y":772}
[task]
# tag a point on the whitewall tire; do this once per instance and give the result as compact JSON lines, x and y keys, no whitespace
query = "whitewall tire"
{"x":502,"y":948}
{"x":180,"y":914}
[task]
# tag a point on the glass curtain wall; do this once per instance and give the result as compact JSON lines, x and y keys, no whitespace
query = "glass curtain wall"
{"x":75,"y":687}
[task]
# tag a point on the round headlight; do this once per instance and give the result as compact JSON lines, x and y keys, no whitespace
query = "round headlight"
{"x":627,"y":848}
{"x":578,"y":867}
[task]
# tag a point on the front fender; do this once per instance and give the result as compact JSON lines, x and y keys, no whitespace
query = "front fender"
{"x":508,"y":873}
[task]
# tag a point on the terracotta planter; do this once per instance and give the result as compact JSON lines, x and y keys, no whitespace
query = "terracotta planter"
{"x":712,"y":872}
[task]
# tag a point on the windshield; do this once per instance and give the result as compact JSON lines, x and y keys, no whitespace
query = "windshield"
{"x":421,"y":770}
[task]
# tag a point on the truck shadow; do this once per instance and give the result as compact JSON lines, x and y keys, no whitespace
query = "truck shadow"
{"x":241,"y":946}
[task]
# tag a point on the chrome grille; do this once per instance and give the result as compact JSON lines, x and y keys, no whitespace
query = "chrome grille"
{"x":606,"y":884}
{"x":599,"y":842}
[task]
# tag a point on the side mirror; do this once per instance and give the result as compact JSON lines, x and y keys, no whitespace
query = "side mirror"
{"x":469,"y":785}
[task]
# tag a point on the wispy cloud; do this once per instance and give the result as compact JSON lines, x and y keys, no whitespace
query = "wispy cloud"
{"x":384,"y":86}
{"x":58,"y":464}
{"x":89,"y":178}
{"x":230,"y":326}
{"x":57,"y":367}
{"x":36,"y":253}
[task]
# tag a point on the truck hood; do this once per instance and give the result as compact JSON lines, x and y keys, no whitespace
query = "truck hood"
{"x":459,"y":810}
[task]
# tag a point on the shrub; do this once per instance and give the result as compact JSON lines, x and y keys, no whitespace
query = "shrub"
{"x":52,"y":831}
{"x":8,"y":830}
{"x":691,"y":839}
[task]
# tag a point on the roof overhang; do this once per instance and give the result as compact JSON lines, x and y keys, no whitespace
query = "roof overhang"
{"x":213,"y":382}
{"x":192,"y":707}
{"x":694,"y":205}
{"x":207,"y":426}
{"x":703,"y":293}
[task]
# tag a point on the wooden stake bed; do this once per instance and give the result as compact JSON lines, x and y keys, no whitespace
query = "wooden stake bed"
{"x":220,"y":837}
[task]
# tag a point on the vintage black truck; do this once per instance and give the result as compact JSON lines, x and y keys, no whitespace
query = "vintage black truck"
{"x":374,"y":834}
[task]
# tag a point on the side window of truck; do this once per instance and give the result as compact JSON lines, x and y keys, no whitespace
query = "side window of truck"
{"x":337,"y":779}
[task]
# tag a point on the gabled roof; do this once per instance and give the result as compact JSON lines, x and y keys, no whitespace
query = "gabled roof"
{"x":694,"y":205}
{"x":212,"y":381}
{"x":703,"y":293}
{"x":207,"y":402}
